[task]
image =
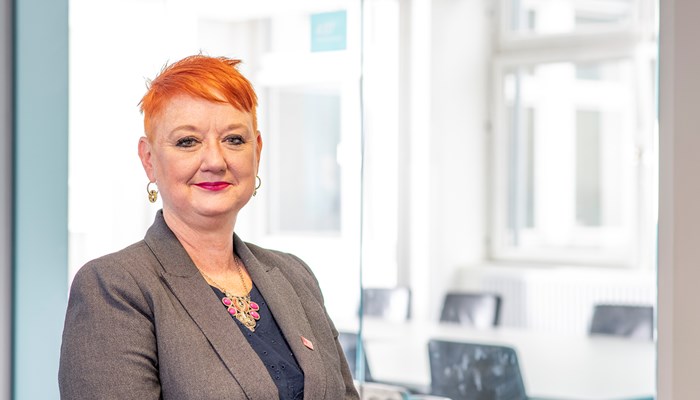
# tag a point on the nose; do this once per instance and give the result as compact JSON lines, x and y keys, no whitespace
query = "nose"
{"x":213,"y":159}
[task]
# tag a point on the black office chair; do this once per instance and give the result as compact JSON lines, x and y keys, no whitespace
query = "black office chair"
{"x":348,"y":341}
{"x":392,"y":304}
{"x":629,"y":321}
{"x":470,"y":371}
{"x":480,"y":310}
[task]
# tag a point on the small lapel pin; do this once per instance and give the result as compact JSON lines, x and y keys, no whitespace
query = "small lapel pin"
{"x":307,"y":343}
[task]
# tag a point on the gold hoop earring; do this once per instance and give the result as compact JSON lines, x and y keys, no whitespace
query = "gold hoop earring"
{"x":257,"y":178}
{"x":152,"y":193}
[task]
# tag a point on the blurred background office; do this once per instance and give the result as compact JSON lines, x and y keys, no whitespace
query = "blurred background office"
{"x":447,"y":149}
{"x":513,"y":133}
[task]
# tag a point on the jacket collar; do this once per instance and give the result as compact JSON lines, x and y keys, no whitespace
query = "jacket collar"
{"x":284,"y":300}
{"x":200,"y":302}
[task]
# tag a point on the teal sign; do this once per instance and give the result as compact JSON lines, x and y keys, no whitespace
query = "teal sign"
{"x":329,"y":31}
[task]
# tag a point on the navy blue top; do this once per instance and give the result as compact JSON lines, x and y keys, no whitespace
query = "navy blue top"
{"x":273,"y":349}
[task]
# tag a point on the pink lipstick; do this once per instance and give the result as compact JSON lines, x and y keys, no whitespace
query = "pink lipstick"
{"x":213,"y":186}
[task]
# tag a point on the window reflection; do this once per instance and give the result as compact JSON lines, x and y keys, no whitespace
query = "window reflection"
{"x":305,"y":175}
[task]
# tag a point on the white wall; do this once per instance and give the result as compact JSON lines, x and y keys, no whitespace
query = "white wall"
{"x":460,"y":83}
{"x":443,"y":170}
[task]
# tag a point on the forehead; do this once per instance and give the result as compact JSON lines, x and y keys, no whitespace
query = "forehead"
{"x":199,"y":113}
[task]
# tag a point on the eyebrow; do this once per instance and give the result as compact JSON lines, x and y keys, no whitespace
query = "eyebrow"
{"x":189,"y":128}
{"x":192,"y":128}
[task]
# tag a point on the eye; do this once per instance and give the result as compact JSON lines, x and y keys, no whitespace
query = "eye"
{"x":234,"y":140}
{"x":186,"y":142}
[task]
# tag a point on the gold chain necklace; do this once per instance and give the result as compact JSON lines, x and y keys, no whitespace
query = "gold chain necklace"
{"x":241,"y":307}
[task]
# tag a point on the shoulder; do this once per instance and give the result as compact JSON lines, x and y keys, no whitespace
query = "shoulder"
{"x":276,"y":258}
{"x":293,"y":267}
{"x":289,"y":263}
{"x":124,"y":270}
{"x":134,"y":259}
{"x":110,"y":314}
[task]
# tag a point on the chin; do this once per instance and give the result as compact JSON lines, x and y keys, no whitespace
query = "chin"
{"x":220,"y":210}
{"x":217,"y":211}
{"x":210,"y":208}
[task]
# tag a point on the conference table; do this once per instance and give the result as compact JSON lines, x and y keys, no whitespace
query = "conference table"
{"x":553,"y":365}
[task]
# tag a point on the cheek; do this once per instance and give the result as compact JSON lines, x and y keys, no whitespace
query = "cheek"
{"x":176,"y":169}
{"x":243,"y":166}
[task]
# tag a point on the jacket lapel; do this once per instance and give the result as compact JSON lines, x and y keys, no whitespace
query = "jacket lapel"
{"x":200,"y":302}
{"x":285,"y":304}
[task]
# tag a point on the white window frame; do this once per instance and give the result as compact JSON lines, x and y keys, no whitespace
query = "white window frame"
{"x":635,"y":43}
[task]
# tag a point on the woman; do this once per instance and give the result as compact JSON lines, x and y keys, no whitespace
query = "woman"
{"x":192,"y":311}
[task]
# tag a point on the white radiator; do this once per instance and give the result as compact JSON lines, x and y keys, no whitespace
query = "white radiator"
{"x":558,"y":299}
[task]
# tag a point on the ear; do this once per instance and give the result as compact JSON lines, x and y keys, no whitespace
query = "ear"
{"x":258,"y":150}
{"x":146,"y":155}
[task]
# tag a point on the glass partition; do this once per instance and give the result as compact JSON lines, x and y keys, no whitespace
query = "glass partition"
{"x":481,"y":173}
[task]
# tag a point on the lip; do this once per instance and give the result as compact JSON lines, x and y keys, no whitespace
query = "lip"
{"x":213,"y":186}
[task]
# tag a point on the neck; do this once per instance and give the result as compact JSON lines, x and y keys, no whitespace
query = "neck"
{"x":210,"y":246}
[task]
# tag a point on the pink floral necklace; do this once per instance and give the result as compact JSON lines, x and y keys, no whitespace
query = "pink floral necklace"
{"x":241,"y":307}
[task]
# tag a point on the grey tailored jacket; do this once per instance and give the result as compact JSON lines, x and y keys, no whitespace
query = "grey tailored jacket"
{"x":143,"y":324}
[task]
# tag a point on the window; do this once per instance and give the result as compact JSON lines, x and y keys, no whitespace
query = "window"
{"x":305,"y":175}
{"x":538,"y":17}
{"x":574,"y":120}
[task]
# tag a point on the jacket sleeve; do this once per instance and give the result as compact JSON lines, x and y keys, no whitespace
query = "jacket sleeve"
{"x":109,"y":347}
{"x":312,"y":283}
{"x":350,"y":389}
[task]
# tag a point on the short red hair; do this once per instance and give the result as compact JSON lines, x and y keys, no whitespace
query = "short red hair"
{"x":199,"y":76}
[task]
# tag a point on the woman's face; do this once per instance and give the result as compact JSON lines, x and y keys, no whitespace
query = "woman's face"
{"x":204,"y":157}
